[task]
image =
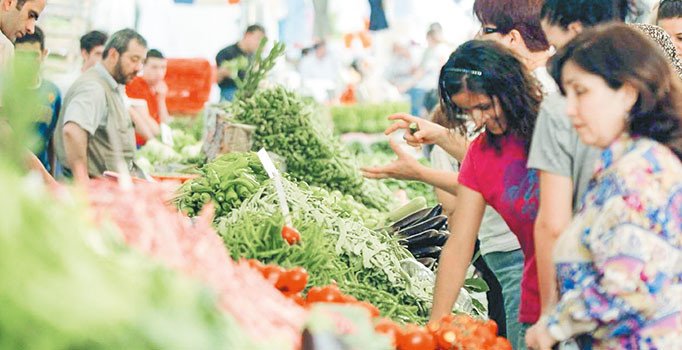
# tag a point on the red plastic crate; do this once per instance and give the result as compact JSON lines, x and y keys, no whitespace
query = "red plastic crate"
{"x":189,"y":84}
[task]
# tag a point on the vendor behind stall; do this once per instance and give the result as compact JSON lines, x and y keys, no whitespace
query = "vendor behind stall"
{"x":94,"y":128}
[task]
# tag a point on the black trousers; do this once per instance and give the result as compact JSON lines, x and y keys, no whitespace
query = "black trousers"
{"x":494,"y":294}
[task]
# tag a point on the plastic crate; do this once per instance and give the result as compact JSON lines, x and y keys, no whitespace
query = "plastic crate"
{"x":189,"y":84}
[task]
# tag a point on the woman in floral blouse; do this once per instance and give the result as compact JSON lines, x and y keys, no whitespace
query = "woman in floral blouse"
{"x":619,"y":264}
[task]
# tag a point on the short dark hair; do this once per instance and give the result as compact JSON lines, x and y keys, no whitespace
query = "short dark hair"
{"x":20,"y":4}
{"x":93,"y":39}
{"x":588,"y":12}
{"x":621,"y":55}
{"x":38,"y":36}
{"x":488,"y":68}
{"x":121,"y":40}
{"x":507,"y":15}
{"x":255,"y":28}
{"x":154,"y":53}
{"x":670,"y":9}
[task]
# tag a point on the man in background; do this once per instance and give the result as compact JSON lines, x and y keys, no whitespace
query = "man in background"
{"x":32,"y":46}
{"x":245,"y":48}
{"x":94,"y":128}
{"x":92,"y":48}
{"x":152,"y":89}
{"x":18,"y":18}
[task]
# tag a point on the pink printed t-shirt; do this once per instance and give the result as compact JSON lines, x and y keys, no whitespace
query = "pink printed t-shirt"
{"x":508,"y":186}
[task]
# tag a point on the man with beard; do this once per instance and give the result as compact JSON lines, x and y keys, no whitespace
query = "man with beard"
{"x":95,"y":131}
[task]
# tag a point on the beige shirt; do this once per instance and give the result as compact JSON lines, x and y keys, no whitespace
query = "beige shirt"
{"x":6,"y":55}
{"x":95,"y":103}
{"x":6,"y":51}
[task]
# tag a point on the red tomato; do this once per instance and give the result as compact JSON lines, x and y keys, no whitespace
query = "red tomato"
{"x":389,"y":328}
{"x":298,"y":299}
{"x":290,"y":235}
{"x":272,"y":273}
{"x":328,"y":294}
{"x":446,"y":338}
{"x":314,"y":293}
{"x":447,"y":319}
{"x":293,"y":281}
{"x":416,"y":338}
{"x":349,"y":299}
{"x":491,"y":326}
{"x":501,"y":344}
{"x":485,"y":336}
{"x":255,"y":264}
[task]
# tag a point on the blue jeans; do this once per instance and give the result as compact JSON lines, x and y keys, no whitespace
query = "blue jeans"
{"x":227,"y":94}
{"x":416,"y":101}
{"x":508,"y":268}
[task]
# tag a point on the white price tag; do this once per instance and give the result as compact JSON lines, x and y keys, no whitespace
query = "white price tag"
{"x":275,"y":176}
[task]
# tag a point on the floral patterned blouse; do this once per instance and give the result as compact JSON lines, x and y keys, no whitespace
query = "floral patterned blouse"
{"x":619,"y":264}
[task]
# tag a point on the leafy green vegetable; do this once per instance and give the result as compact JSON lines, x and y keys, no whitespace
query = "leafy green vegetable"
{"x":285,"y":126}
{"x":66,"y":285}
{"x":365,"y":118}
{"x":364,"y":263}
{"x":257,"y":70}
{"x":380,"y":153}
{"x":227,"y":182}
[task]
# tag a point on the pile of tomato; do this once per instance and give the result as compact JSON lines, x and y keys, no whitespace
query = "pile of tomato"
{"x":452,"y":332}
{"x":292,"y":282}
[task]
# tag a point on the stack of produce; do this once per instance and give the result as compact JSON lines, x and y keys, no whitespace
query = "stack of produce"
{"x":226,"y":182}
{"x":156,"y":157}
{"x":65,"y":284}
{"x":380,"y":153}
{"x":364,"y":263}
{"x":366,"y":118}
{"x":150,"y":225}
{"x":285,"y":125}
{"x":452,"y":332}
{"x":423,"y":231}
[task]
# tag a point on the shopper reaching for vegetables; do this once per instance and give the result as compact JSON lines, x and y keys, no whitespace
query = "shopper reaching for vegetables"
{"x":487,"y":84}
{"x":407,"y":167}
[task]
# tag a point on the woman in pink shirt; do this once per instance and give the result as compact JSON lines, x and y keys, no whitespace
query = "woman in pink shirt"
{"x":485,"y":85}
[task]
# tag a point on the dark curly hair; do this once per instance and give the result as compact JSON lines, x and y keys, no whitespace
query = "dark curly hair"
{"x":486,"y":67}
{"x":588,"y":12}
{"x":622,"y":55}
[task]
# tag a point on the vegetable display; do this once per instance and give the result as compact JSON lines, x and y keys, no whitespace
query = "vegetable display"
{"x":365,"y":118}
{"x":151,"y":226}
{"x":423,"y":233}
{"x":452,"y":332}
{"x":65,"y":284}
{"x":364,"y":263}
{"x":285,"y":126}
{"x":380,"y":153}
{"x":226,"y":182}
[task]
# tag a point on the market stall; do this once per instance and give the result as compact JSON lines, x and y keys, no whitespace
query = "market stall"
{"x":204,"y":257}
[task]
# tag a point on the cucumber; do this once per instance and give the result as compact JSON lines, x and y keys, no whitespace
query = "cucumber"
{"x":414,"y":127}
{"x":416,"y":204}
